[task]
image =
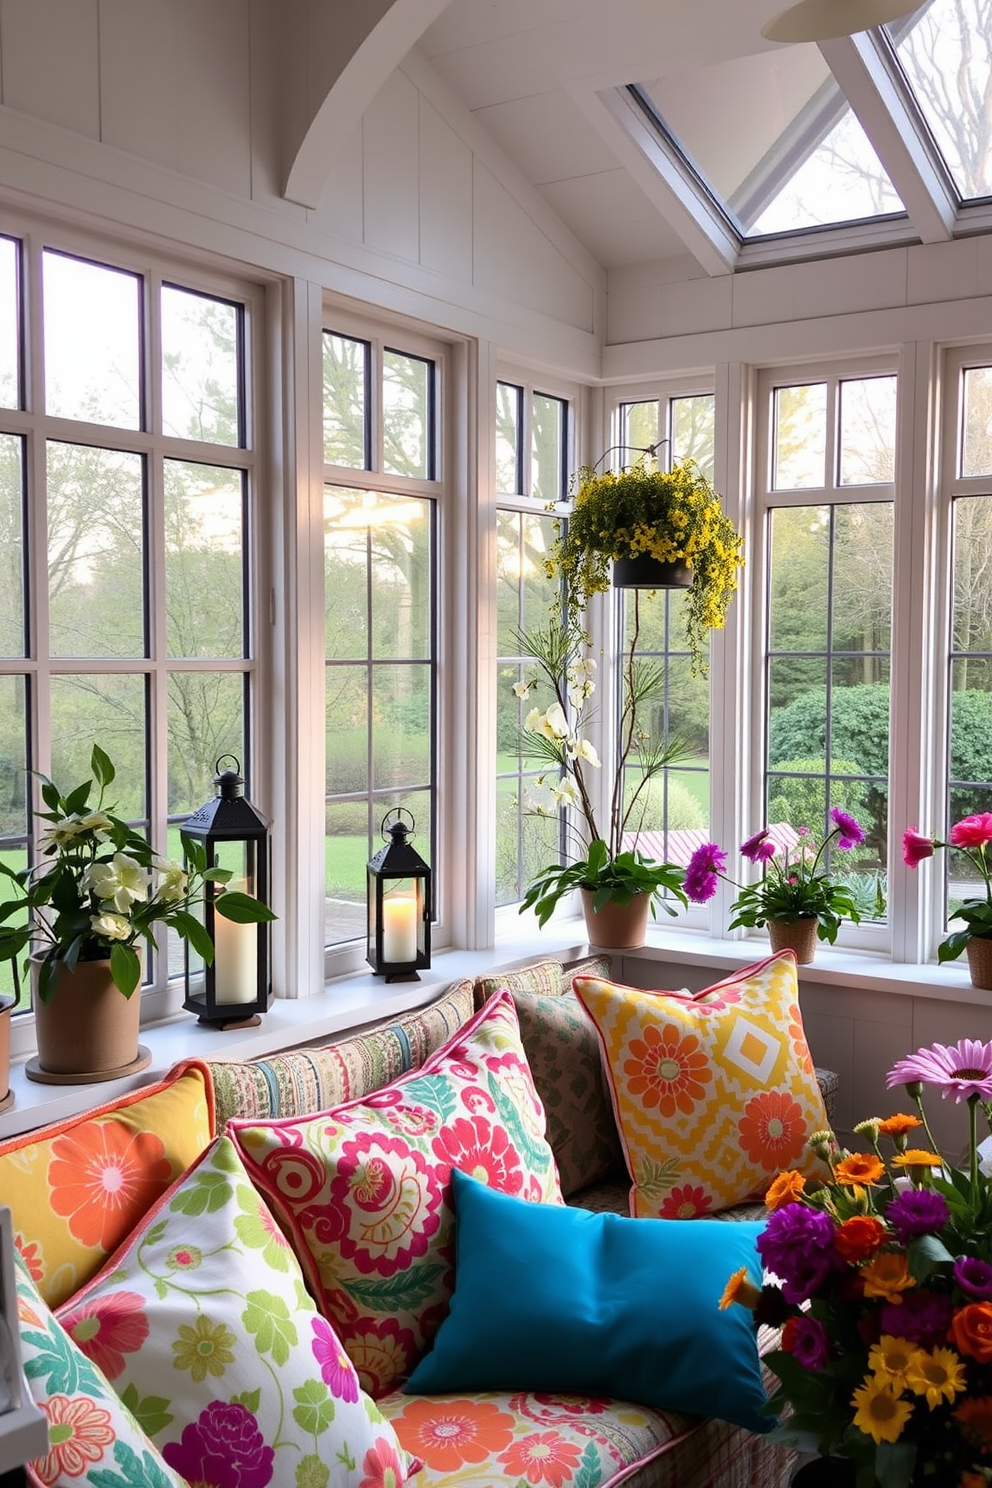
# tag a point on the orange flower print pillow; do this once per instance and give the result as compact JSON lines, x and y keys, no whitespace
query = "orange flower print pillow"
{"x":712,"y":1094}
{"x":78,"y":1188}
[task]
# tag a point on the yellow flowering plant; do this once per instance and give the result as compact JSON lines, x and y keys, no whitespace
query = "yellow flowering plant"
{"x":881,"y":1281}
{"x":99,"y":887}
{"x":673,"y":515}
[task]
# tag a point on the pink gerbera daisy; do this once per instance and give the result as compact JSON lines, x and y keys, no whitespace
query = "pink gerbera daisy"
{"x":964,"y":1069}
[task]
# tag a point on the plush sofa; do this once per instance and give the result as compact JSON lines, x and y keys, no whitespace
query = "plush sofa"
{"x":108,"y":1263}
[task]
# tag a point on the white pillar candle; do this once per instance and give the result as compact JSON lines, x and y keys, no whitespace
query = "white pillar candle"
{"x":399,"y":928}
{"x":235,"y":961}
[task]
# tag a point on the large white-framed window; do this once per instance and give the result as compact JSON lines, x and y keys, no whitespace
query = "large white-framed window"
{"x":535,"y":438}
{"x":384,"y":389}
{"x":129,"y":474}
{"x":964,"y":669}
{"x":826,"y":494}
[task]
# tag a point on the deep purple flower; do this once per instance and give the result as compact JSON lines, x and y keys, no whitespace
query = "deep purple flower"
{"x":923,"y":1317}
{"x":810,"y":1344}
{"x":962,"y":1070}
{"x":851,"y":834}
{"x":224,"y":1448}
{"x":758,"y":848}
{"x":974,"y":1277}
{"x":917,"y":1211}
{"x":336,"y":1369}
{"x":796,"y":1245}
{"x":706,"y":863}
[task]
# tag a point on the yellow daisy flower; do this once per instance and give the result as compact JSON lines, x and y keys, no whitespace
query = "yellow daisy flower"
{"x":878,"y":1412}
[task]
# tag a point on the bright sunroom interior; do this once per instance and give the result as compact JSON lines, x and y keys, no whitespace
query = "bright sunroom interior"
{"x":306,"y":320}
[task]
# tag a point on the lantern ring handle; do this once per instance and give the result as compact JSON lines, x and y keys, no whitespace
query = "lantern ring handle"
{"x":392,"y":817}
{"x":223,"y":757}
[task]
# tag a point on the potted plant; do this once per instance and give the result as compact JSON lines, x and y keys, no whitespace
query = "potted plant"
{"x":97,"y":891}
{"x":605,"y":863}
{"x":970,"y":836}
{"x":645,"y":513}
{"x":795,"y":897}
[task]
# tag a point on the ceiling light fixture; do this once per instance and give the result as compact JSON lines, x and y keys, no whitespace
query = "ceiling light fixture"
{"x":820,"y":20}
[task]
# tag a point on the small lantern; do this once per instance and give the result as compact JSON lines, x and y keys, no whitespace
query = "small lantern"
{"x":399,"y":905}
{"x":236,"y":987}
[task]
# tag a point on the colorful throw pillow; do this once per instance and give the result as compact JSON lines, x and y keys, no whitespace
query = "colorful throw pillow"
{"x":77,"y":1188}
{"x":93,"y":1437}
{"x":548,"y":978}
{"x":203,"y":1325}
{"x":305,"y":1081}
{"x":581,"y":1308}
{"x":713,"y":1095}
{"x":364,"y":1191}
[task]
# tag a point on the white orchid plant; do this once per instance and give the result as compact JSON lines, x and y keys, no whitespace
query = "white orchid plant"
{"x":99,"y":887}
{"x":561,"y":668}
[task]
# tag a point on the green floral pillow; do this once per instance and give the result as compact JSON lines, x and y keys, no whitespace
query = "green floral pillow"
{"x":93,"y":1437}
{"x":203,"y":1325}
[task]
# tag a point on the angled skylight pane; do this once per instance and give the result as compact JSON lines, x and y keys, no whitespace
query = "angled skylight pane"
{"x":946,"y":54}
{"x":795,"y":157}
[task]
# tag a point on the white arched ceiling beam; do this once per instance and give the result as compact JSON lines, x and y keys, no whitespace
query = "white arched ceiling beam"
{"x":375,"y":37}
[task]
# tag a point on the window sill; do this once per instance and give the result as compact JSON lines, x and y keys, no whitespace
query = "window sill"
{"x":352,"y":1002}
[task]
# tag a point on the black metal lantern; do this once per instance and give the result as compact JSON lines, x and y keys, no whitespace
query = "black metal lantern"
{"x":399,"y":905}
{"x":236,"y":987}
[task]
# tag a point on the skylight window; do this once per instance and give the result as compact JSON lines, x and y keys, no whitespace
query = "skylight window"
{"x":946,"y":55}
{"x":796,"y":156}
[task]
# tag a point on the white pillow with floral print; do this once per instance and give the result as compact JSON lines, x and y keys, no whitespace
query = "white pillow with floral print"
{"x":94,"y":1440}
{"x":202,"y":1324}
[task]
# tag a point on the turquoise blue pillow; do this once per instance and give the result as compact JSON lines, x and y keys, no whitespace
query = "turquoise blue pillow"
{"x":558,"y":1299}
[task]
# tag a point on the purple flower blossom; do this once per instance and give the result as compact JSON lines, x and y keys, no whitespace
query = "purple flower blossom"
{"x":915,"y":1212}
{"x":851,"y":834}
{"x":705,"y":865}
{"x":923,"y":1317}
{"x":810,"y":1344}
{"x":222,"y":1447}
{"x":796,"y":1245}
{"x":962,"y":1070}
{"x":974,"y":1276}
{"x":758,"y":848}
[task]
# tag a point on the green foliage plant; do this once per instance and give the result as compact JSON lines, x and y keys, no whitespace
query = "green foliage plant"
{"x":99,"y":888}
{"x":671,"y":515}
{"x":601,"y":860}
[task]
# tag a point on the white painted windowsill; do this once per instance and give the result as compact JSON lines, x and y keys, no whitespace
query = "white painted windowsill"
{"x":357,"y":1000}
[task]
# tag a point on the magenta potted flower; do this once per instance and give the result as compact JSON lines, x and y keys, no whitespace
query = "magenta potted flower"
{"x":971,"y":837}
{"x":796,"y":897}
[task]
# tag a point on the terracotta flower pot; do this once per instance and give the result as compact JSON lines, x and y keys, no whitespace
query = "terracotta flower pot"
{"x":617,"y":927}
{"x":88,"y":1029}
{"x":979,"y":950}
{"x":796,"y":935}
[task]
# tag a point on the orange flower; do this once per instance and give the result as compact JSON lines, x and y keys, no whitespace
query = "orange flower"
{"x":858,"y":1168}
{"x":740,"y":1289}
{"x":887,"y":1276}
{"x":785,"y":1189}
{"x":542,"y":1458}
{"x":772,"y":1129}
{"x":858,"y":1238}
{"x":103,"y":1177}
{"x":898,"y":1125}
{"x":80,"y":1433}
{"x":918,"y":1157}
{"x":975,"y":1416}
{"x":449,"y":1434}
{"x":667,"y":1070}
{"x":971,"y":1331}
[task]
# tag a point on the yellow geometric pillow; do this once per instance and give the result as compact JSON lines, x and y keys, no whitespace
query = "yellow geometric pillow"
{"x":77,"y":1188}
{"x":712,"y":1094}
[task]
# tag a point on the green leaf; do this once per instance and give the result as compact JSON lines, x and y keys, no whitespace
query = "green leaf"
{"x":924,"y":1254}
{"x":135,"y":1471}
{"x":314,"y":1410}
{"x":125,"y":967}
{"x":267,"y":1318}
{"x":151,"y":1412}
{"x":250,"y":1399}
{"x":102,"y":767}
{"x":403,"y":1291}
{"x":208,"y":1193}
{"x":242,"y":908}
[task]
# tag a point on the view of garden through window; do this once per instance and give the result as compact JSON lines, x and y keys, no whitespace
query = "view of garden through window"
{"x":379,"y":607}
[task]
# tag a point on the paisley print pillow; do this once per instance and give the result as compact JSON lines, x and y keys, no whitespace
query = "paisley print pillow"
{"x":203,"y":1326}
{"x":364,"y":1190}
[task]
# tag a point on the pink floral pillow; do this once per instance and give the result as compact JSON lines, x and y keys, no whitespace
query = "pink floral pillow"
{"x":364,"y":1191}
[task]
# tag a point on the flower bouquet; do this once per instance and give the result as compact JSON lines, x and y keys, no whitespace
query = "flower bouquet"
{"x":971,"y":836}
{"x":881,"y":1280}
{"x":795,"y":884}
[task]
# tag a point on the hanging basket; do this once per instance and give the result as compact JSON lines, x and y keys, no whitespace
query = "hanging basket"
{"x":645,"y":572}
